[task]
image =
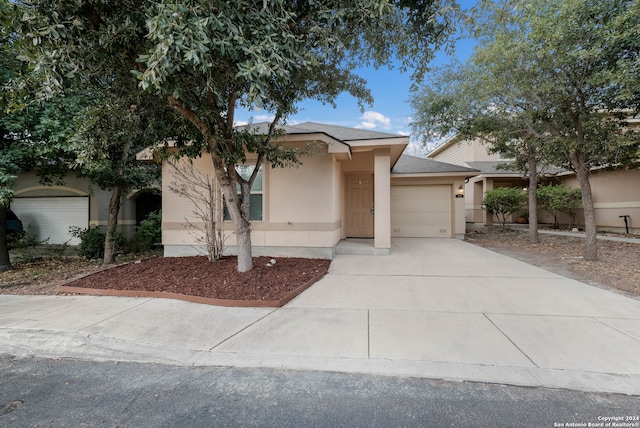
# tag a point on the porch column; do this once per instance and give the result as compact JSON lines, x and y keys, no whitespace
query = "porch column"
{"x":478,"y":197}
{"x":487,"y":218}
{"x":460,"y":216}
{"x":382,"y":199}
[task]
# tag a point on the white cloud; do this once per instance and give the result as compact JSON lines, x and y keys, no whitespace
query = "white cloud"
{"x":403,"y":133}
{"x":366,"y":125}
{"x":373,"y":119}
{"x":417,"y":150}
{"x":264,"y":118}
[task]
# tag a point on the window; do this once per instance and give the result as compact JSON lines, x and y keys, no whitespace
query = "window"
{"x":256,"y":200}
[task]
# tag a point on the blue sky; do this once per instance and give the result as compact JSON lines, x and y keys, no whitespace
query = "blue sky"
{"x":390,"y":89}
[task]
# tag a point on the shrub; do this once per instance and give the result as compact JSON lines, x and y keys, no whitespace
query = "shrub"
{"x":149,"y":233}
{"x":504,"y":201}
{"x":560,"y":199}
{"x":92,"y":242}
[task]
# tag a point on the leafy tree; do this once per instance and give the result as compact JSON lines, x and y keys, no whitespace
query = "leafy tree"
{"x":560,"y":199}
{"x":568,"y":74}
{"x":503,"y":201}
{"x":109,"y":136}
{"x":32,"y":137}
{"x":469,"y":101}
{"x":207,"y":58}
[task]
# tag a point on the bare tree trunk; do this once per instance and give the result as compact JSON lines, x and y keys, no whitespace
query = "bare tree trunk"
{"x":5,"y":261}
{"x":582,"y":174}
{"x":242,"y":228}
{"x":239,"y":217}
{"x":112,"y":225}
{"x":114,"y":209}
{"x":534,"y":238}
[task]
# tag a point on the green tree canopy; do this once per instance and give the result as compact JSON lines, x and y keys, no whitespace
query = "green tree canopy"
{"x":207,"y":58}
{"x":562,"y":74}
{"x":32,"y":136}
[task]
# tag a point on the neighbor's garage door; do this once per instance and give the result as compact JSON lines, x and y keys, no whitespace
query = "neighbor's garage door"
{"x":421,"y":211}
{"x":50,"y":218}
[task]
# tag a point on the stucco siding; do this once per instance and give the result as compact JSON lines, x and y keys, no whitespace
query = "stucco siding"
{"x":302,"y":194}
{"x":362,"y":162}
{"x":300,"y":210}
{"x":28,"y":186}
{"x":615,"y":193}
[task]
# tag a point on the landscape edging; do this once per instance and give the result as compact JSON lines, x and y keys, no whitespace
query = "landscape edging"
{"x":194,"y":299}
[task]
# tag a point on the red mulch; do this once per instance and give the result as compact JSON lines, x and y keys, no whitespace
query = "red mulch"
{"x":196,"y":276}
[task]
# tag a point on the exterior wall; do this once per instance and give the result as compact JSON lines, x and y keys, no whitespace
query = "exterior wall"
{"x":361,"y":162}
{"x":28,"y":186}
{"x":454,"y":154}
{"x":465,"y":151}
{"x":457,"y":204}
{"x":477,"y":152}
{"x":301,"y":212}
{"x":300,"y":206}
{"x":180,"y":225}
{"x":615,"y":193}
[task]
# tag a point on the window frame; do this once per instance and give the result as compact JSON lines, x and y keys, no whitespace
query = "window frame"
{"x":261,"y":174}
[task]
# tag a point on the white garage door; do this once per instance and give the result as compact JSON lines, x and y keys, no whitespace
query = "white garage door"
{"x":421,"y":211}
{"x":50,"y":218}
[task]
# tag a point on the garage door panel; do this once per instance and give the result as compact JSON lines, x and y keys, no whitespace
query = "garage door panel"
{"x":49,"y":219}
{"x":421,"y":211}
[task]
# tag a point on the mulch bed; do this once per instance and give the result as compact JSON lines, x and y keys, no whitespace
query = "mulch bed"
{"x":196,"y":276}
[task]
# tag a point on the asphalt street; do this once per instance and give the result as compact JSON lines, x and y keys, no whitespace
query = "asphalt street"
{"x":38,"y":392}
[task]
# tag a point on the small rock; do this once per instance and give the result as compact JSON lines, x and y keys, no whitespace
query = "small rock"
{"x":272,"y":261}
{"x":268,"y":265}
{"x":575,"y":230}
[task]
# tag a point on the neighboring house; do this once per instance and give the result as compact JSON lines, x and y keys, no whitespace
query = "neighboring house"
{"x":615,"y":192}
{"x":47,"y":212}
{"x":495,"y":171}
{"x":357,"y":184}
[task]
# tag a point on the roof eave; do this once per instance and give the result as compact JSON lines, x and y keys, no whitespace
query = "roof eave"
{"x":461,"y":174}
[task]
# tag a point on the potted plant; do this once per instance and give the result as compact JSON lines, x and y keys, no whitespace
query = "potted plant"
{"x":523,"y":218}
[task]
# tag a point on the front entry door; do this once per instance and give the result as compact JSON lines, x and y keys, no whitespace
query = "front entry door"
{"x":359,"y":206}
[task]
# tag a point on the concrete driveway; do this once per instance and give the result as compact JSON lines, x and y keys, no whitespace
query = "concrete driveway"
{"x":437,"y":308}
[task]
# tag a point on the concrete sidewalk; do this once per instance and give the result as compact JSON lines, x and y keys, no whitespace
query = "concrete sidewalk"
{"x":437,"y":308}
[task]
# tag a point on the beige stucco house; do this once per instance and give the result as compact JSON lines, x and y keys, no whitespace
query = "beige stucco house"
{"x":47,"y":212}
{"x":494,"y":171}
{"x":615,"y":192}
{"x":357,"y":184}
